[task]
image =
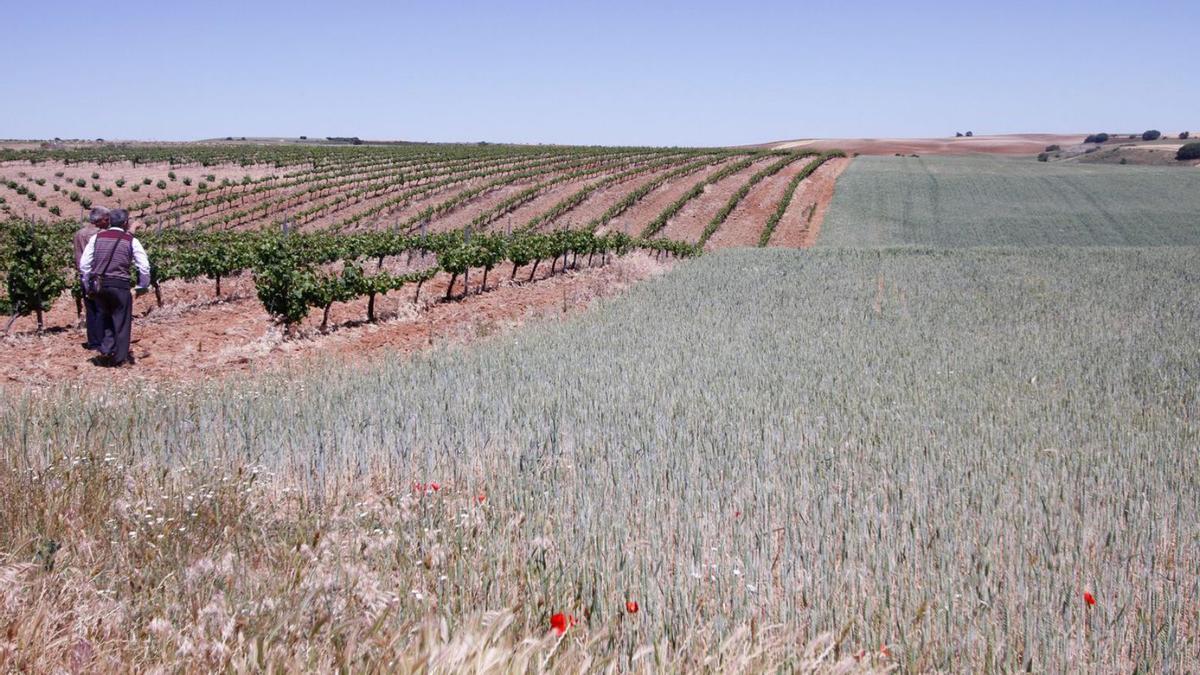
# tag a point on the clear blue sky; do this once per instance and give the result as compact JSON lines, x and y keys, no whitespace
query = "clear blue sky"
{"x":615,"y":72}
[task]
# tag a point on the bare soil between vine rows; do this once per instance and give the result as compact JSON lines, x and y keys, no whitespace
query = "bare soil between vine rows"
{"x":801,"y":222}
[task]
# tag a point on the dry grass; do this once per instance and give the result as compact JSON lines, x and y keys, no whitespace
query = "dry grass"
{"x":199,"y":569}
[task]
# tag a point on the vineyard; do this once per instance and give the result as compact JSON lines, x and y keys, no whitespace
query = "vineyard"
{"x":414,"y":188}
{"x":329,"y":235}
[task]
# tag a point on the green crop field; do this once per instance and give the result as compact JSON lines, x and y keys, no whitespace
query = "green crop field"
{"x":990,"y":201}
{"x":939,"y":453}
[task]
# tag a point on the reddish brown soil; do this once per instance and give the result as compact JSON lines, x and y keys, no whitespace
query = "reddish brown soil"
{"x":397,"y":212}
{"x":601,"y":200}
{"x":109,"y":173}
{"x":814,"y":194}
{"x":464,"y":213}
{"x":543,"y":202}
{"x":1003,"y":144}
{"x":298,"y":201}
{"x":195,"y":336}
{"x":647,"y":209}
{"x":401,"y":213}
{"x":745,"y":223}
{"x":337,"y":213}
{"x":689,"y":223}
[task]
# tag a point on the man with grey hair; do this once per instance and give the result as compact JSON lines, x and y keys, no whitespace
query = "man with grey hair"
{"x":109,"y":255}
{"x":97,"y":220}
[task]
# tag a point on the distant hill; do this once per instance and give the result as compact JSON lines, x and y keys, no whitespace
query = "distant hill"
{"x":1000,"y":144}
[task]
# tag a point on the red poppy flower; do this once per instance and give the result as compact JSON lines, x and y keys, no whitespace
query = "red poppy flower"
{"x":561,"y":622}
{"x":1089,"y":598}
{"x":435,"y":487}
{"x":631,"y":607}
{"x":480,"y":497}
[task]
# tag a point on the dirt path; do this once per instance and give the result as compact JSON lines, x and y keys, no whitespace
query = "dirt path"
{"x":801,"y":223}
{"x":745,"y":224}
{"x":689,"y":223}
{"x":196,"y":337}
{"x":647,"y":209}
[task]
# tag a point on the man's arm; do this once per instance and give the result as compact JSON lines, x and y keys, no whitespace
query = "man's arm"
{"x":77,"y":243}
{"x":142,"y":262}
{"x":85,"y":261}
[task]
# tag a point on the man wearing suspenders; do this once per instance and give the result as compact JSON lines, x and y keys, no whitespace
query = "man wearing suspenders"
{"x":109,"y":255}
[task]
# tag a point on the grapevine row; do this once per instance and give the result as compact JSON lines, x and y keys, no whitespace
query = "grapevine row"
{"x":634,"y":197}
{"x":773,"y":221}
{"x":296,"y":272}
{"x":523,"y":173}
{"x":719,"y":218}
{"x":574,"y":170}
{"x":655,"y":226}
{"x":576,"y":198}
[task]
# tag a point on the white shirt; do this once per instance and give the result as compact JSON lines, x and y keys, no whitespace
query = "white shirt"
{"x":140,"y":260}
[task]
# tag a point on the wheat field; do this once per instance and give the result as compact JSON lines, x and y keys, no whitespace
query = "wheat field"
{"x":830,"y":461}
{"x":955,"y":202}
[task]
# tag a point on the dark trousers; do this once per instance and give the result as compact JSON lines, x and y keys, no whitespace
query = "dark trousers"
{"x":116,"y":317}
{"x":95,"y":327}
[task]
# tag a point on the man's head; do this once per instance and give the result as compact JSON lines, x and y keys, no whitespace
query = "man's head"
{"x":118,"y":218}
{"x":99,"y":217}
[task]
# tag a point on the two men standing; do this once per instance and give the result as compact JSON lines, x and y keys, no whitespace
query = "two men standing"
{"x":104,"y":267}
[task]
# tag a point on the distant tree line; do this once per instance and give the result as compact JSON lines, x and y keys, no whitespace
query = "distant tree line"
{"x":1148,"y":135}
